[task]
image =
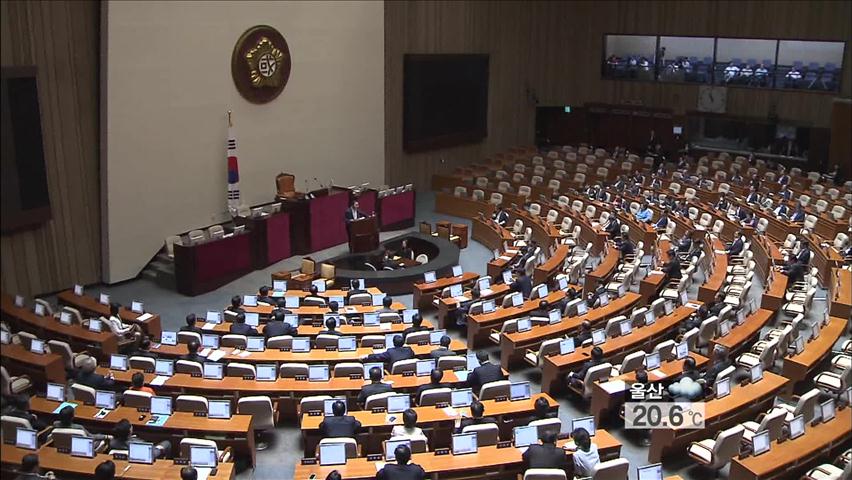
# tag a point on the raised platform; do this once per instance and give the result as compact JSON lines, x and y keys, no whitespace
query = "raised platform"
{"x":443,"y":255}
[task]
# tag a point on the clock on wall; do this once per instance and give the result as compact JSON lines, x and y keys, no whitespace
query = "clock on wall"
{"x":712,"y":99}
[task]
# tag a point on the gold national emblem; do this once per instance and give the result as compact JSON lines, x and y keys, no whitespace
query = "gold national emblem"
{"x":260,"y":64}
{"x":264,"y":62}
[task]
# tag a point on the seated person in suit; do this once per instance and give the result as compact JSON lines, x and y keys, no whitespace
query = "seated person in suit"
{"x":542,"y":310}
{"x":405,"y":251}
{"x":87,"y":376}
{"x":593,"y":298}
{"x":434,"y":382}
{"x":105,"y":470}
{"x":585,"y":333}
{"x":314,"y":295}
{"x":137,"y":383}
{"x":353,"y":290}
{"x":477,"y":410}
{"x":121,"y":329}
{"x":542,"y":410}
{"x":123,"y":435}
{"x":190,"y":325}
{"x":795,"y":272}
{"x":398,"y":352}
{"x":785,"y":193}
{"x":236,"y":305}
{"x":460,"y":313}
{"x":192,"y":352}
{"x":339,"y":425}
{"x":402,"y":469}
{"x":239,"y":326}
{"x":804,"y":256}
{"x":500,"y":216}
{"x":190,"y":473}
{"x":690,"y":370}
{"x":386,"y":305}
{"x":722,"y":205}
{"x":263,"y":297}
{"x":353,"y":213}
{"x":409,"y":425}
{"x":737,"y":245}
{"x":330,"y":325}
{"x":416,"y":326}
{"x":685,"y":244}
{"x":613,"y":226}
{"x":443,"y":350}
{"x":144,"y":349}
{"x":719,"y":363}
{"x":663,"y":222}
{"x":387,"y":261}
{"x":29,"y":469}
{"x":281,"y":306}
{"x":278,"y":327}
{"x":752,"y":197}
{"x":65,"y":419}
{"x":672,"y":267}
{"x":546,"y":454}
{"x":586,"y":456}
{"x":375,"y":386}
{"x":522,"y":283}
{"x":718,"y":303}
{"x":577,"y":378}
{"x":750,"y":220}
{"x":625,"y":246}
{"x":798,"y":215}
{"x":486,"y":372}
{"x":19,"y":406}
{"x":781,"y":211}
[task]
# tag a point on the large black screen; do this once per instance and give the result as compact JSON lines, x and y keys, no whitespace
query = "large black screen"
{"x":445,"y":100}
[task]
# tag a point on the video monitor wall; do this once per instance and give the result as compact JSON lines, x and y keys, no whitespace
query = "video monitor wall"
{"x":744,"y":62}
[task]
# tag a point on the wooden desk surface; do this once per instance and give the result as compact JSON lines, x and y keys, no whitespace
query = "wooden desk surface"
{"x":514,"y":344}
{"x":312,"y":331}
{"x":314,"y":356}
{"x":840,"y":293}
{"x":797,"y":367}
{"x":425,"y":415}
{"x":87,"y":303}
{"x":783,"y":458}
{"x":603,"y":270}
{"x":707,"y":291}
{"x":555,"y":366}
{"x":49,"y":366}
{"x":308,"y":311}
{"x":490,"y":234}
{"x":330,"y":293}
{"x":105,"y":341}
{"x":62,"y":463}
{"x":479,"y":326}
{"x":435,"y":466}
{"x":739,"y":335}
{"x":552,"y":266}
{"x":444,"y":282}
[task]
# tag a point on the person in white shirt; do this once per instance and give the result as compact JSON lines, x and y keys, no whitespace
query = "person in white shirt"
{"x":586,"y":456}
{"x":409,"y":425}
{"x":731,"y":72}
{"x":130,"y":332}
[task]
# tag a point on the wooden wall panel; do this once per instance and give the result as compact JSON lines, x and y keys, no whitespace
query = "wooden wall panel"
{"x":551,"y":51}
{"x":61,"y":39}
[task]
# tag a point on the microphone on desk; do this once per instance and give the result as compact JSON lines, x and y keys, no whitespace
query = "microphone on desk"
{"x":125,"y":470}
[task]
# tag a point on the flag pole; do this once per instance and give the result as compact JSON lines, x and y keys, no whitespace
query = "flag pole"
{"x":230,"y":123}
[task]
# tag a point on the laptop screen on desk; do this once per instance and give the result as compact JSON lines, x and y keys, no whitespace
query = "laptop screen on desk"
{"x":26,"y":438}
{"x":219,"y":409}
{"x":318,"y":373}
{"x":797,"y":426}
{"x":332,"y":453}
{"x":587,"y":423}
{"x":652,"y":361}
{"x":266,"y":372}
{"x":82,"y":446}
{"x":213,"y":371}
{"x":291,"y":302}
{"x":651,"y":472}
{"x":249,"y":300}
{"x":140,"y":452}
{"x":164,"y":367}
{"x":105,"y":399}
{"x":424,"y":367}
{"x":118,"y":362}
{"x":525,"y":436}
{"x":213,"y":317}
{"x":255,"y":344}
{"x":168,"y":338}
{"x":429,"y":277}
{"x":209,"y":340}
{"x":519,"y":391}
{"x":760,"y":441}
{"x":137,"y":307}
{"x":301,"y":345}
{"x":202,"y":456}
{"x":461,"y":398}
{"x":398,"y":403}
{"x":161,"y":405}
{"x":55,"y":392}
{"x":390,"y":448}
{"x":347,"y":344}
{"x":464,"y":443}
{"x":279,"y":285}
{"x":252,"y":319}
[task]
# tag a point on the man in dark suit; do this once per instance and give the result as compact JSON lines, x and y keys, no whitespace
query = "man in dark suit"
{"x":546,"y":455}
{"x":500,"y":216}
{"x":87,"y":376}
{"x":19,"y":406}
{"x":672,"y":267}
{"x":277,"y":327}
{"x":719,"y":363}
{"x":339,"y":425}
{"x":804,"y":256}
{"x":522,"y":283}
{"x":416,"y":326}
{"x":737,"y":245}
{"x":685,"y":244}
{"x":239,"y":326}
{"x":543,"y":310}
{"x":781,"y":211}
{"x":264,"y":297}
{"x":352,"y":213}
{"x":799,"y":214}
{"x":663,"y":222}
{"x":405,"y":251}
{"x":387,"y":302}
{"x":190,"y":325}
{"x":584,"y":334}
{"x":752,"y":196}
{"x":314,"y":295}
{"x":477,"y":410}
{"x":401,"y":470}
{"x":281,"y":306}
{"x":435,"y":382}
{"x":236,"y":305}
{"x":722,"y":204}
{"x":375,"y":386}
{"x":579,"y":376}
{"x":144,"y":349}
{"x":613,"y":228}
{"x":330,"y":327}
{"x":484,"y":373}
{"x":795,"y":272}
{"x":392,"y":355}
{"x":785,"y":193}
{"x":443,"y":350}
{"x":192,"y":352}
{"x":626,"y":247}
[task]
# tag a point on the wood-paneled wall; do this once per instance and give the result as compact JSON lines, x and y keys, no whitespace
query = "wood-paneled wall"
{"x":61,"y":39}
{"x":551,"y":51}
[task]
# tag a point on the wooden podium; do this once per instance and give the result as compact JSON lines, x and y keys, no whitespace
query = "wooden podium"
{"x":363,"y":235}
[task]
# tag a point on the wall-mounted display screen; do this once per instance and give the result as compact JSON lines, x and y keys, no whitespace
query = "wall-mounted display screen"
{"x":743,"y":62}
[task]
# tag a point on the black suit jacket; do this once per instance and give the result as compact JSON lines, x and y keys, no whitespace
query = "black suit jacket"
{"x":798,"y":216}
{"x":736,"y":247}
{"x":395,"y":471}
{"x":714,"y":370}
{"x":672,"y":269}
{"x":243,"y":329}
{"x":413,"y":329}
{"x":392,"y":355}
{"x":276,"y":329}
{"x":804,"y":256}
{"x":523,"y":285}
{"x":441,"y":352}
{"x":483,"y":374}
{"x":545,"y":456}
{"x":345,"y":426}
{"x":193,"y":357}
{"x":187,"y":328}
{"x":501,"y":218}
{"x":349,"y":216}
{"x":95,"y":380}
{"x":372,"y":389}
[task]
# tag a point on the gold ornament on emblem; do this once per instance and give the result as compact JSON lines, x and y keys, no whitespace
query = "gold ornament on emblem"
{"x":265,"y":62}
